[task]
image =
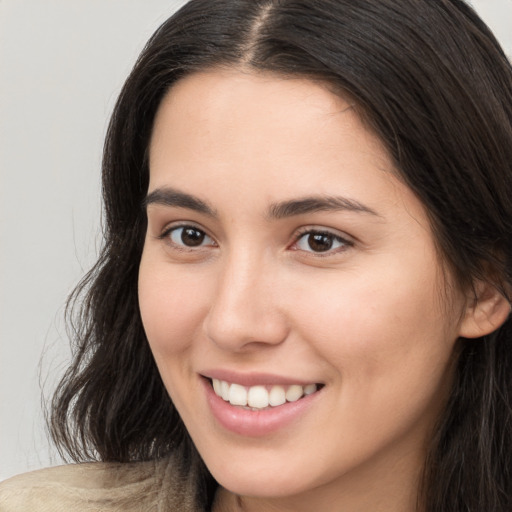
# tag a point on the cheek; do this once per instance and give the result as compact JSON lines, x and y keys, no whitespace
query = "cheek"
{"x":383,"y":324}
{"x":171,"y":305}
{"x":389,"y":350}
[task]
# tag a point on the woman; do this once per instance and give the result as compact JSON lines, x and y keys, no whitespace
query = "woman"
{"x":303,"y":298}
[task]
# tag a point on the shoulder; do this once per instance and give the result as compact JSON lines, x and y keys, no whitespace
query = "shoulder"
{"x":99,"y":487}
{"x":81,"y":487}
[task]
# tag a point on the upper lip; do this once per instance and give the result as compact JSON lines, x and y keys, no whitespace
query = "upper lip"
{"x":255,"y":378}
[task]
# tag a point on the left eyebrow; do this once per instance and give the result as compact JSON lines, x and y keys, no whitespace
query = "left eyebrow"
{"x":314,"y":204}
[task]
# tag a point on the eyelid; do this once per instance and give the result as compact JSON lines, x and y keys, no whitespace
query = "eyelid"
{"x":347,"y":240}
{"x":166,"y":231}
{"x":181,"y":224}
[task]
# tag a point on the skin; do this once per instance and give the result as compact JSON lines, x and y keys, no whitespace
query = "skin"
{"x":372,"y":319}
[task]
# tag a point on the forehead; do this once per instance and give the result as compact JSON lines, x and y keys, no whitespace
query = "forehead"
{"x":203,"y":101}
{"x":225,"y":118}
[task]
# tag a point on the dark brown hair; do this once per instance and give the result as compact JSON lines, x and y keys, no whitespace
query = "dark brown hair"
{"x":432,"y":82}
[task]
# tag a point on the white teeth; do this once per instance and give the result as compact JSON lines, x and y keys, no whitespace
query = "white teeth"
{"x":309,"y":389}
{"x":217,"y":387}
{"x":277,"y":396}
{"x":294,"y":393}
{"x":237,"y":395}
{"x":258,"y":397}
{"x":224,"y":390}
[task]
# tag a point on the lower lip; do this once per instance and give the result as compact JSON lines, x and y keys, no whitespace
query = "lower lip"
{"x":256,"y":423}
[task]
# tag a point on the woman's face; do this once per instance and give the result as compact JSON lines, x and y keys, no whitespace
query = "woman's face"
{"x":285,"y":262}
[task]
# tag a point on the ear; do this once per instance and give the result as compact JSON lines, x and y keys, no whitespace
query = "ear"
{"x":485,"y":312}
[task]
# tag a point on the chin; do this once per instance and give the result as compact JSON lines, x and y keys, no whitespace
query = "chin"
{"x":262,"y":483}
{"x":262,"y":474}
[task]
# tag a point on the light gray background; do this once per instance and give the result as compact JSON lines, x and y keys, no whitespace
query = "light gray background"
{"x":62,"y":63}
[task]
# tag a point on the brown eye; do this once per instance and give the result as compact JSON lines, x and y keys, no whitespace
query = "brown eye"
{"x":189,"y":236}
{"x":319,"y":241}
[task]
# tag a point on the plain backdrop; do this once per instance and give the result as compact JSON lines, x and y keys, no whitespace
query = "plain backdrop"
{"x":62,"y":64}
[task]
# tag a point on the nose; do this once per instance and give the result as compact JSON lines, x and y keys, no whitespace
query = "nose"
{"x":245,"y":312}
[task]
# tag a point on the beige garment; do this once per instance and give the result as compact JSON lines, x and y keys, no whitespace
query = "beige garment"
{"x":102,"y":487}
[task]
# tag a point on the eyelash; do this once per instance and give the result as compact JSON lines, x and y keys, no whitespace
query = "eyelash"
{"x":333,"y":238}
{"x":344,"y":242}
{"x":166,"y":236}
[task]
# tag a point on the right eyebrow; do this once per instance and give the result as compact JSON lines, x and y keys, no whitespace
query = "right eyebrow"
{"x":167,"y":196}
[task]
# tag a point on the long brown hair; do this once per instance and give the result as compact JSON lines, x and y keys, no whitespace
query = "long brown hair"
{"x":433,"y":83}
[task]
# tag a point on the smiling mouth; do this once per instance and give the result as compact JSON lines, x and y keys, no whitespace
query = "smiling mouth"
{"x":257,"y":398}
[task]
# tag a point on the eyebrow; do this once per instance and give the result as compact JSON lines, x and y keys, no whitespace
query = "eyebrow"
{"x":174,"y":198}
{"x":314,"y":204}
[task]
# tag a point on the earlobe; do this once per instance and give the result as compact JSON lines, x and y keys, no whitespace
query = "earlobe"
{"x":486,"y":313}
